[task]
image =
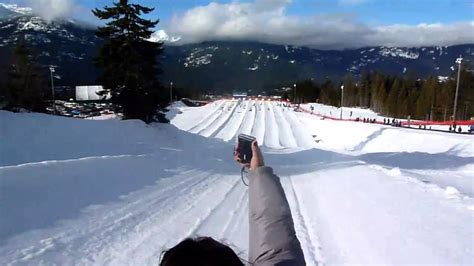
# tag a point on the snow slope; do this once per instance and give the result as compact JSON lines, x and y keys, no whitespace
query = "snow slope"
{"x":120,"y":192}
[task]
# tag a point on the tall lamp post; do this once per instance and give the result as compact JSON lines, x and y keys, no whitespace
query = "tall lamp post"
{"x":52,"y":70}
{"x":342,"y":98}
{"x":171,"y":92}
{"x":294,"y":97}
{"x":458,"y":61}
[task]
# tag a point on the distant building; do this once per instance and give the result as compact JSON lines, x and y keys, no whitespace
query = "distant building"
{"x":239,"y":94}
{"x":89,"y":93}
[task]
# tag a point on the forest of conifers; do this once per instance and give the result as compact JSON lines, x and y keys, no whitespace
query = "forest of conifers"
{"x":427,"y":99}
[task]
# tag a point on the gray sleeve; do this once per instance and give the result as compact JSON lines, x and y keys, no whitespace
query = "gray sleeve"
{"x":272,"y":239}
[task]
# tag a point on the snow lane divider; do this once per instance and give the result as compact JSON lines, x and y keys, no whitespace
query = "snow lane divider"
{"x":247,"y":123}
{"x":207,"y":117}
{"x":231,"y":127}
{"x":223,"y":122}
{"x":310,"y":247}
{"x":212,"y":119}
{"x":288,"y":139}
{"x":258,"y":129}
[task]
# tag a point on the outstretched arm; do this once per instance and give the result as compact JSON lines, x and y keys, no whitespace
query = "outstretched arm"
{"x":272,"y":239}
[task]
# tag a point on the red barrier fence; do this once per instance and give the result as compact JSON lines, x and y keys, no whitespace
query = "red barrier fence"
{"x":440,"y":123}
{"x":403,"y":122}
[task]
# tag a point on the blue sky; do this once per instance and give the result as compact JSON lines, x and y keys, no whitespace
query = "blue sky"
{"x":325,"y":24}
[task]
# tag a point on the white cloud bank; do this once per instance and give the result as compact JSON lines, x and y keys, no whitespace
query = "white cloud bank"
{"x":268,"y":21}
{"x":52,"y":9}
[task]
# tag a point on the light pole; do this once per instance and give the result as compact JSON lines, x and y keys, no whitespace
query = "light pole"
{"x":52,"y":70}
{"x":458,"y":61}
{"x":171,"y":92}
{"x":342,"y":98}
{"x":294,"y":98}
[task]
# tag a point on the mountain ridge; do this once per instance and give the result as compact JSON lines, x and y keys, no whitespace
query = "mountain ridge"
{"x":221,"y":66}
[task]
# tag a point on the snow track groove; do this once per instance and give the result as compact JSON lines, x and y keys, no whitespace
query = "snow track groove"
{"x":258,"y":129}
{"x":207,"y":116}
{"x":74,"y":160}
{"x":209,"y":119}
{"x":302,"y":137}
{"x":305,"y":233}
{"x":112,"y":222}
{"x":236,"y":215}
{"x":212,"y":128}
{"x":219,"y":209}
{"x":162,"y":223}
{"x":247,"y":123}
{"x":272,"y":134}
{"x":287,"y":138}
{"x":233,"y":125}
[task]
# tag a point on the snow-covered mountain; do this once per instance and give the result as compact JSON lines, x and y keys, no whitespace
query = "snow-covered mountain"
{"x":68,"y":44}
{"x":13,"y":9}
{"x":232,"y":65}
{"x":218,"y":66}
{"x":162,"y":36}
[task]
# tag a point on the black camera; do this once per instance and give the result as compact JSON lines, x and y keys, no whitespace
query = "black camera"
{"x":244,"y":148}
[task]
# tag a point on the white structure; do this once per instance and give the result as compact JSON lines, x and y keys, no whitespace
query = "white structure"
{"x":89,"y":93}
{"x":239,"y":94}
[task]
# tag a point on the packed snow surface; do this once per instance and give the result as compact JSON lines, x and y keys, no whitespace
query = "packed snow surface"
{"x":110,"y":192}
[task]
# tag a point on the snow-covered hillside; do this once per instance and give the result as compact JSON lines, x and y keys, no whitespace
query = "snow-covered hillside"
{"x":120,"y":192}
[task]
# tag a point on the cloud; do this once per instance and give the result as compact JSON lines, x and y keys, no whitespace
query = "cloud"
{"x":52,"y":9}
{"x":269,"y":21}
{"x":424,"y":34}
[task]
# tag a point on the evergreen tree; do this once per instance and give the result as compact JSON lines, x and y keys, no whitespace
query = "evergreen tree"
{"x":364,"y":87}
{"x":329,"y":95}
{"x":129,"y":61}
{"x":403,"y":102}
{"x":398,"y":96}
{"x":379,"y":94}
{"x":382,"y":97}
{"x":350,"y":91}
{"x":446,"y":98}
{"x":393,"y":98}
{"x":374,"y":88}
{"x":25,"y":86}
{"x":306,"y":91}
{"x":413,"y":87}
{"x":426,"y":100}
{"x":465,"y":109}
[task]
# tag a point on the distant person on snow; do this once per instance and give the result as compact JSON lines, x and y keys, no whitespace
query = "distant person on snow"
{"x":272,"y":237}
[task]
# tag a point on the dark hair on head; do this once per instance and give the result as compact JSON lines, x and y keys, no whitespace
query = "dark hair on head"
{"x":201,"y":251}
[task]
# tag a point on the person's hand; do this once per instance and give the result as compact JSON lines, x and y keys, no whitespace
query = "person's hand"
{"x":257,"y":157}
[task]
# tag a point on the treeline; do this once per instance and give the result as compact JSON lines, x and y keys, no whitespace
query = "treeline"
{"x":127,"y":61}
{"x":25,"y":85}
{"x":395,"y":96}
